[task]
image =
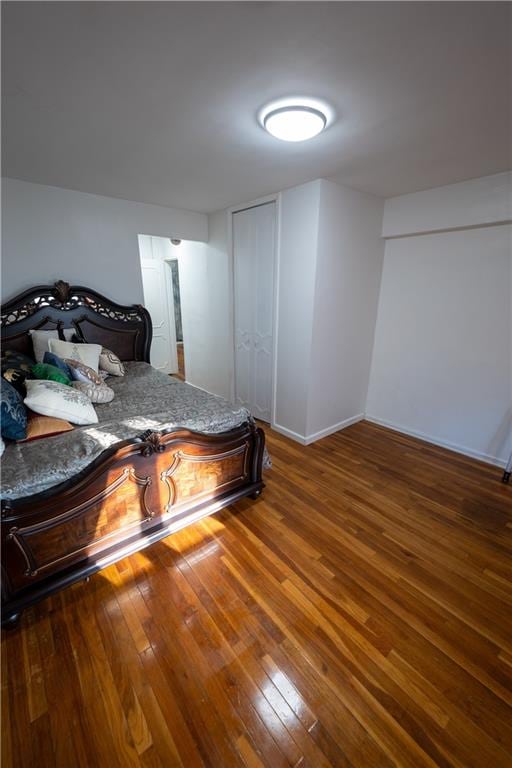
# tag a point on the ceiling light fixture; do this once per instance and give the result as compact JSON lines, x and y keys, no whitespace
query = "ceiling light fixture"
{"x":294,"y":122}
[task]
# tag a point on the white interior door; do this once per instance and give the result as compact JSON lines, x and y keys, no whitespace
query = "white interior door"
{"x":253,"y":250}
{"x":158,"y":301}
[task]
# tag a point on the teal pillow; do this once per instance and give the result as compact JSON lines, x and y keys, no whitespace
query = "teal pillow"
{"x":13,"y":412}
{"x":50,"y":373}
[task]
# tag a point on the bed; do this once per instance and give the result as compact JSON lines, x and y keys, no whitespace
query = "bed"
{"x":163,"y":455}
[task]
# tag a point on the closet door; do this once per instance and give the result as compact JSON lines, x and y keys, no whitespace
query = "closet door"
{"x":253,"y":250}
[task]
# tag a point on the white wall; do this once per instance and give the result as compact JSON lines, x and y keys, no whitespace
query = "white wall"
{"x":348,"y":273}
{"x":298,"y":242}
{"x":49,"y":233}
{"x":468,"y":204}
{"x":205,"y":305}
{"x":442,"y":362}
{"x":205,"y":282}
{"x":330,"y":261}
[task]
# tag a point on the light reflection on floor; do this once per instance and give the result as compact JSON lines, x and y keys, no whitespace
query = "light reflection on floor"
{"x":196,"y":549}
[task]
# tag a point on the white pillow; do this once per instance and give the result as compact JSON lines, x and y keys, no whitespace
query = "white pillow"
{"x":49,"y":398}
{"x":89,"y":354}
{"x":40,"y":341}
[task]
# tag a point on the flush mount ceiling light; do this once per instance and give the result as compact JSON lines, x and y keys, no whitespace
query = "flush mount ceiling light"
{"x":294,"y":120}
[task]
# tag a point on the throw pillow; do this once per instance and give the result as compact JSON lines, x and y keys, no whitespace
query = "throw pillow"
{"x":50,"y":398}
{"x":51,"y":359}
{"x":110,"y":363}
{"x":16,"y":367}
{"x":15,"y":378}
{"x":85,"y":353}
{"x":40,"y":341}
{"x":51,"y":373}
{"x":81,"y":372}
{"x":13,"y":359}
{"x":97,"y":393}
{"x":13,"y":413}
{"x":44,"y":426}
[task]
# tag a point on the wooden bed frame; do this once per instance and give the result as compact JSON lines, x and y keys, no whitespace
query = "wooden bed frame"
{"x":135,"y":492}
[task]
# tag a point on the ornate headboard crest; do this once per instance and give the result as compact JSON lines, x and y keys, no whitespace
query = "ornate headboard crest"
{"x":124,"y":329}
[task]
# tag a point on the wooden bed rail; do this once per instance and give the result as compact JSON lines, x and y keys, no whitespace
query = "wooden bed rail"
{"x":132,"y":495}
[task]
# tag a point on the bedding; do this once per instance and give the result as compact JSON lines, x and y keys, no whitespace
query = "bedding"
{"x":50,"y":398}
{"x":16,"y":378}
{"x":144,"y":399}
{"x":41,"y":340}
{"x":82,"y":372}
{"x":43,"y":426}
{"x":89,"y":354}
{"x":13,"y":413}
{"x":97,"y":393}
{"x":51,"y":359}
{"x":49,"y":372}
{"x":17,"y":367}
{"x":110,"y":363}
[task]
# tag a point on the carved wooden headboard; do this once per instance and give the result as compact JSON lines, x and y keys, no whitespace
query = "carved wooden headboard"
{"x":126,"y":330}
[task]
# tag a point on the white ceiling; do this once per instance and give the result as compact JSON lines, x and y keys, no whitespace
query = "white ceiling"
{"x":157,"y":102}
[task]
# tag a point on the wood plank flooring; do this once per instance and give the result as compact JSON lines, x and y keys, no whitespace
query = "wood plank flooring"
{"x":357,"y":614}
{"x":181,"y":361}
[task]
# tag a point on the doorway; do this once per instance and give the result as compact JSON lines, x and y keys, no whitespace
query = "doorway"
{"x":162,"y":298}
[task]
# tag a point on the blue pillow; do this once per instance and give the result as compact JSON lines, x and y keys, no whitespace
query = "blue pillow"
{"x":13,"y":413}
{"x":51,"y":359}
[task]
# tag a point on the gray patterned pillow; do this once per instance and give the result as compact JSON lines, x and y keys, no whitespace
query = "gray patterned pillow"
{"x":97,"y":393}
{"x":82,"y":372}
{"x":110,"y":363}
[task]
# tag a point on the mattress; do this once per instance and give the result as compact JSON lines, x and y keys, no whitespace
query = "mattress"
{"x":144,"y":399}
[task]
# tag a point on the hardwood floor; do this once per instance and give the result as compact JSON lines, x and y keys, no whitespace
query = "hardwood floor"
{"x":181,"y":361}
{"x":357,"y":614}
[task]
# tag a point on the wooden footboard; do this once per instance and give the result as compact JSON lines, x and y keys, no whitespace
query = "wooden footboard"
{"x":132,"y":495}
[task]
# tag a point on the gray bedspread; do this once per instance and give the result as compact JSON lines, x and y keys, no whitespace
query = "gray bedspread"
{"x":144,"y":399}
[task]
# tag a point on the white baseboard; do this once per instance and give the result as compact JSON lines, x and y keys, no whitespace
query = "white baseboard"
{"x":208,"y":392}
{"x":289,"y":433}
{"x":334,"y":428}
{"x":437,"y":441}
{"x":307,"y":439}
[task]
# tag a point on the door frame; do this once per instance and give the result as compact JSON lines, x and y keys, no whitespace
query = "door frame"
{"x":276,"y":199}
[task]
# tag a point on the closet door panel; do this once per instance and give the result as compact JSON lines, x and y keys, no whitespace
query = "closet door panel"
{"x":263,"y":310}
{"x":243,"y":308}
{"x":253,"y":248}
